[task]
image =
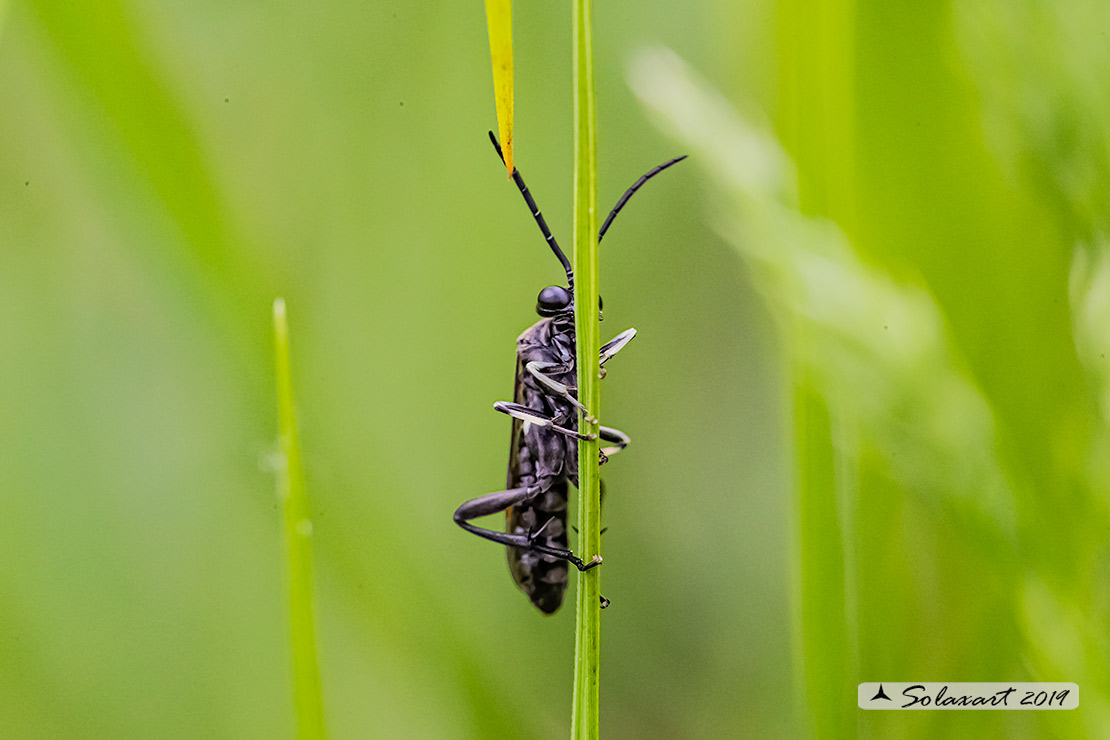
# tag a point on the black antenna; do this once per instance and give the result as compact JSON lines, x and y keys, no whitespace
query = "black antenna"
{"x":628,"y":193}
{"x":539,"y":216}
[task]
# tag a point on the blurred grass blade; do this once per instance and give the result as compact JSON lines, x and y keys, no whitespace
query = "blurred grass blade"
{"x":298,"y":550}
{"x":103,"y":48}
{"x":499,"y":22}
{"x":876,"y":348}
{"x":879,"y":385}
{"x":815,"y":58}
{"x":148,"y":140}
{"x":822,"y":634}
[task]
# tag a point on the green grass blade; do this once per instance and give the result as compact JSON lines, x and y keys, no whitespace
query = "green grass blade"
{"x":307,"y":696}
{"x":822,"y":637}
{"x":104,"y":49}
{"x":816,"y":57}
{"x":587,"y":644}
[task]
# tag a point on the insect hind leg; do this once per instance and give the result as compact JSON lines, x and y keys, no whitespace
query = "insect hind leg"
{"x":499,"y":501}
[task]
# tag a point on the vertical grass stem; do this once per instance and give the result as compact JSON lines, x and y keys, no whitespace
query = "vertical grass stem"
{"x":586,"y":714}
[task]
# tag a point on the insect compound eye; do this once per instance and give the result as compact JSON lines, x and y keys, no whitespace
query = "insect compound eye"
{"x":552,"y":300}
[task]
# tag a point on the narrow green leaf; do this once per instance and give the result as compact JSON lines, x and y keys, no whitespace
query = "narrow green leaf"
{"x":499,"y":22}
{"x":586,"y":711}
{"x":307,"y":697}
{"x":103,"y":48}
{"x":816,"y":59}
{"x":823,"y":644}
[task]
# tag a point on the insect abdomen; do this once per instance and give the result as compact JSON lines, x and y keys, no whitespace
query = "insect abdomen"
{"x":543,"y":577}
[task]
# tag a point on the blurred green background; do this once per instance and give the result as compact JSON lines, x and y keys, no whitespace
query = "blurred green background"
{"x":868,"y":397}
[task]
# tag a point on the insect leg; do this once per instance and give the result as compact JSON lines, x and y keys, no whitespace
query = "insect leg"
{"x":539,"y":418}
{"x":536,"y":369}
{"x":616,"y":436}
{"x":491,"y":503}
{"x":499,"y":501}
{"x":616,"y":344}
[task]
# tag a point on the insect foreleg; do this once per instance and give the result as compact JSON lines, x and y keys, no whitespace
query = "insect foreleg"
{"x":499,"y":501}
{"x":539,"y":418}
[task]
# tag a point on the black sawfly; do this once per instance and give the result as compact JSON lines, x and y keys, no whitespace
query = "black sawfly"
{"x":543,"y":449}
